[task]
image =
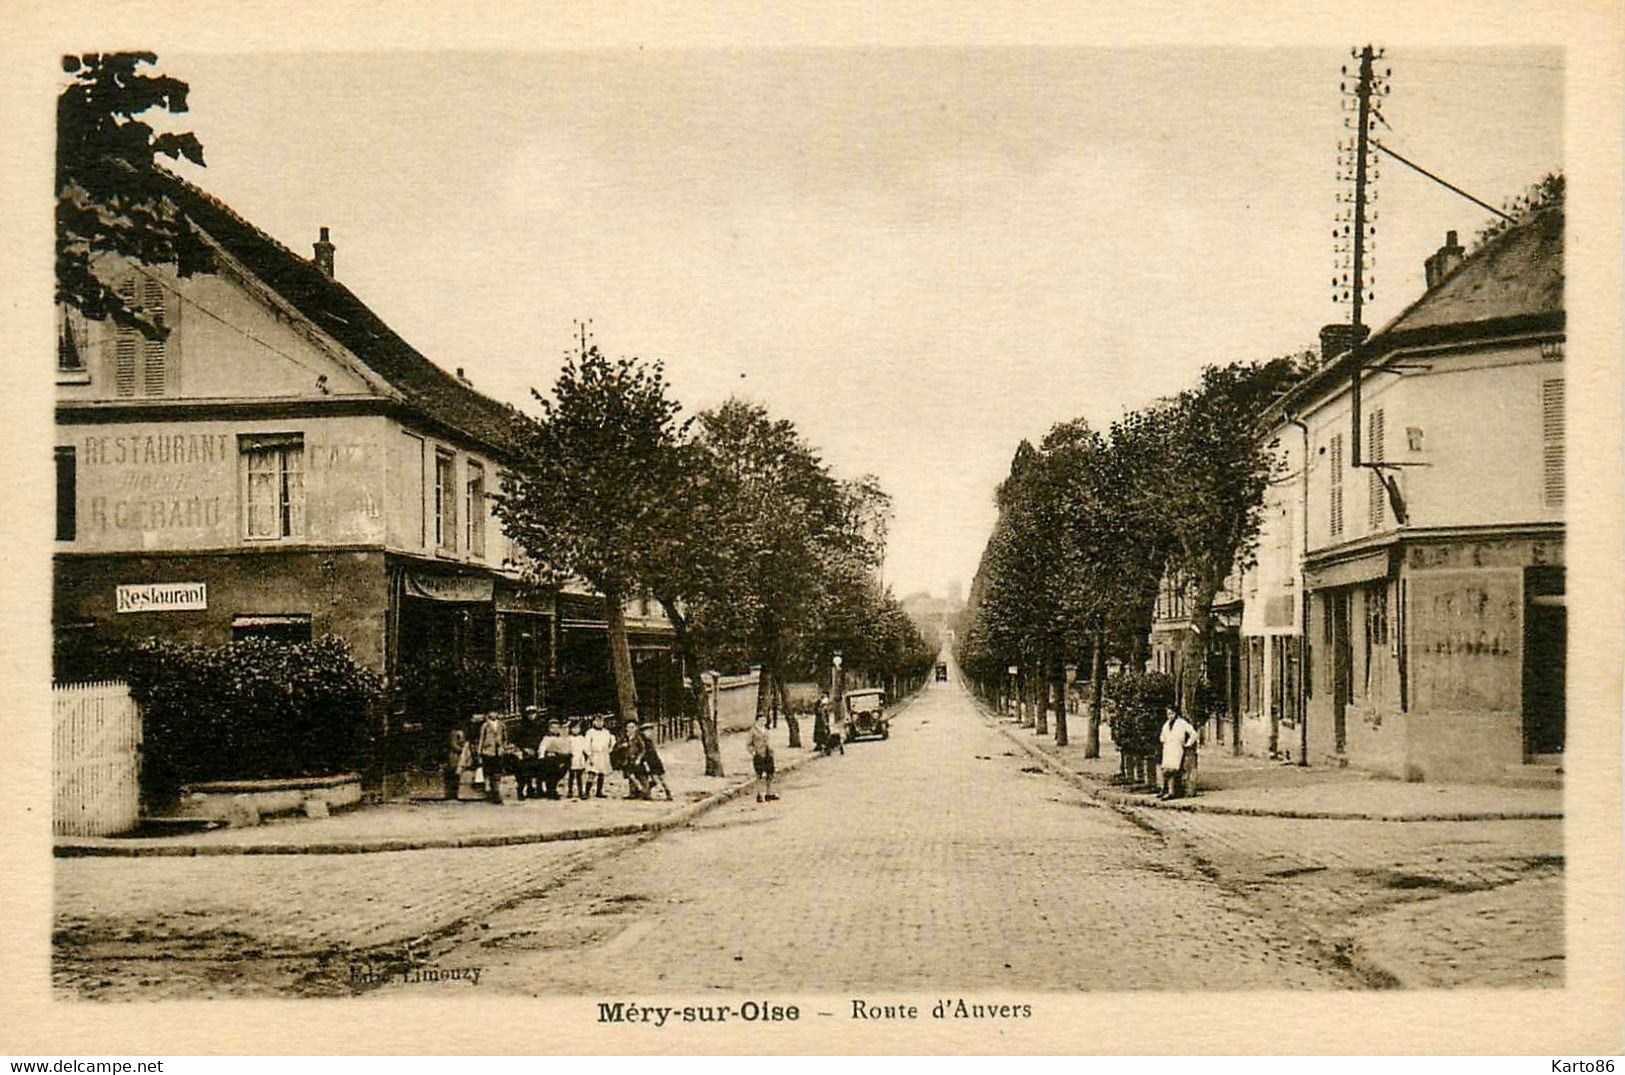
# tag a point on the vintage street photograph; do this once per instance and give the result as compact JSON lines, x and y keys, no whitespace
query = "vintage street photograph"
{"x":794,"y":522}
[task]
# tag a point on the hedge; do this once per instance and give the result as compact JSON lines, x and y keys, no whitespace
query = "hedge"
{"x":252,"y":709}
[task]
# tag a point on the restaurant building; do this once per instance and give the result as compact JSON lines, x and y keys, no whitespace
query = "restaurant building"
{"x":284,"y":465}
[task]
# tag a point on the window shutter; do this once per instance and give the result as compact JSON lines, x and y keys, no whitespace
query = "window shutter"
{"x":1376,"y":493}
{"x":1335,"y":486}
{"x":154,"y":370}
{"x":67,"y":493}
{"x":124,"y":347}
{"x":1554,"y":481}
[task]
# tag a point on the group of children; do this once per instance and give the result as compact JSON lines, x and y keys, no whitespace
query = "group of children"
{"x":541,"y":758}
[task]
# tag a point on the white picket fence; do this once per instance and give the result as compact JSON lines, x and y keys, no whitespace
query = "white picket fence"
{"x":95,"y":759}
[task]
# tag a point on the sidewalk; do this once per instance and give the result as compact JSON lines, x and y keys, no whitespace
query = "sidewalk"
{"x":1257,"y":787}
{"x":423,"y":824}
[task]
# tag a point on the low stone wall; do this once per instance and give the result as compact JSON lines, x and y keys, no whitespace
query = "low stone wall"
{"x":244,"y":802}
{"x":735,"y":700}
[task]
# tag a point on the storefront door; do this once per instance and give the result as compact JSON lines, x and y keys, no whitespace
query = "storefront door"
{"x":1342,"y":655}
{"x":1545,"y":661}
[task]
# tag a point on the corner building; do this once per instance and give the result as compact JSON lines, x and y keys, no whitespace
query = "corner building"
{"x":284,"y":465}
{"x":1435,"y":634}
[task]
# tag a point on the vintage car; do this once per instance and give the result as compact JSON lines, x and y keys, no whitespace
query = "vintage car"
{"x":866,"y":714}
{"x":942,"y":673}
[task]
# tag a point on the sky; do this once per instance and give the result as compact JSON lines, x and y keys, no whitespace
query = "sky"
{"x":919,"y":256}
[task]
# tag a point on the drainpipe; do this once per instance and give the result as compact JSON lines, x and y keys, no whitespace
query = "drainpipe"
{"x":1303,"y":601}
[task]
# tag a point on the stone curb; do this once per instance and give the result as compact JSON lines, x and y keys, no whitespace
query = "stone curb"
{"x":1096,"y":789}
{"x":675,"y":819}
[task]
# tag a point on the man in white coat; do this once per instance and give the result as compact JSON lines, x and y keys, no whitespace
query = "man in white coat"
{"x":1177,"y":735}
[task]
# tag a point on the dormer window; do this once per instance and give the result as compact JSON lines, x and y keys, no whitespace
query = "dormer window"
{"x":70,"y":351}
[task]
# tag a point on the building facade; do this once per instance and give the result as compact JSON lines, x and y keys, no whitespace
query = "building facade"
{"x":1429,"y":611}
{"x":284,"y":465}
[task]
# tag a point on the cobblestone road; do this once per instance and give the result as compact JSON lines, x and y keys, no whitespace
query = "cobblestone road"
{"x":944,"y":857}
{"x":1423,"y":904}
{"x":939,"y":858}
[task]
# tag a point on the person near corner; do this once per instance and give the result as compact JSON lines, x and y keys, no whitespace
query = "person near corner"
{"x":528,"y":738}
{"x":458,"y":758}
{"x":654,"y":769}
{"x":554,"y":763}
{"x":600,"y":741}
{"x":634,"y":763}
{"x":761,"y":757}
{"x":493,"y":745}
{"x":1177,"y":736}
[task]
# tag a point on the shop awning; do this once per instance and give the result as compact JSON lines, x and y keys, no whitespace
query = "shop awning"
{"x":1364,"y":568}
{"x":462,"y":589}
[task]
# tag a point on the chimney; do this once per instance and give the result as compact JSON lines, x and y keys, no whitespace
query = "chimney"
{"x":1444,"y":260}
{"x":1337,"y":338}
{"x":463,"y":379}
{"x":324,"y":254}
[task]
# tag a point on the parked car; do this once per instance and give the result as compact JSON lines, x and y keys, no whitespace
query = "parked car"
{"x":866,"y":714}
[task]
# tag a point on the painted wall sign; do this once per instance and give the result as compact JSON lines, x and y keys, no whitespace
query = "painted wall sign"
{"x":162,"y":597}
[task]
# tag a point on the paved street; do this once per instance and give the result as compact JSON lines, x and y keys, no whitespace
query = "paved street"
{"x":943,"y":856}
{"x":937,"y":858}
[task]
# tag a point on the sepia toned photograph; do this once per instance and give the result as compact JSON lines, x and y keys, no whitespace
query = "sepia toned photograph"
{"x":853,"y":536}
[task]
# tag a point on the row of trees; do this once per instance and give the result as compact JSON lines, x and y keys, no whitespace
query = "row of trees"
{"x":1089,"y":523}
{"x":757,"y":553}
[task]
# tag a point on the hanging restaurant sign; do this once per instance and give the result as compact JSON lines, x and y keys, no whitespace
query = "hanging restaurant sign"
{"x":460,"y":588}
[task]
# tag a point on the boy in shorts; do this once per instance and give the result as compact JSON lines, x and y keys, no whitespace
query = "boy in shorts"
{"x":761,"y":756}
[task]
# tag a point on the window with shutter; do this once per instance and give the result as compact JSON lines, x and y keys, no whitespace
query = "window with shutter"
{"x":70,"y":352}
{"x":474,"y":509}
{"x":1554,"y":480}
{"x":155,"y":365}
{"x":445,"y":501}
{"x":124,"y":344}
{"x":141,"y":365}
{"x":1376,"y":494}
{"x":1335,"y":486}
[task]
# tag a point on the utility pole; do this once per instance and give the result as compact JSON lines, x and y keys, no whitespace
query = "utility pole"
{"x":1352,"y":234}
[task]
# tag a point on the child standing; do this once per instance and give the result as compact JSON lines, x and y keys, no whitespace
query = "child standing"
{"x":761,"y":757}
{"x":458,"y":758}
{"x":577,"y":786}
{"x":652,"y":765}
{"x":600,"y":741}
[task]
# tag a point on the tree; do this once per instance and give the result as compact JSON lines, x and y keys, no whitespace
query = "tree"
{"x":1016,"y":598}
{"x":788,"y":520}
{"x":1212,"y":490}
{"x":592,"y":490}
{"x":110,"y":195}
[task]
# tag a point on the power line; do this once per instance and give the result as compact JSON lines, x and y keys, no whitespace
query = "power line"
{"x":1443,"y":183}
{"x":1475,"y":63}
{"x":224,"y":321}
